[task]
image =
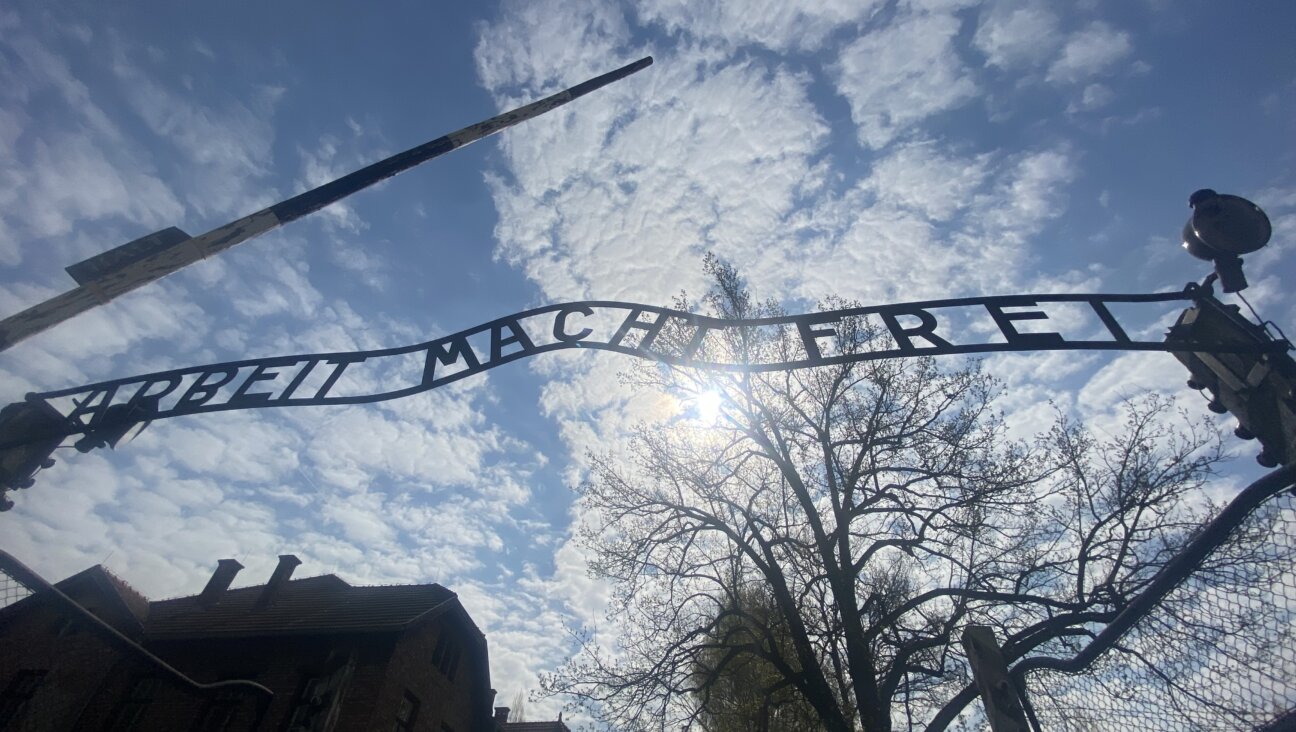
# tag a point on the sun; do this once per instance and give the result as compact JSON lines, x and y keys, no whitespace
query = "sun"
{"x":706,"y":407}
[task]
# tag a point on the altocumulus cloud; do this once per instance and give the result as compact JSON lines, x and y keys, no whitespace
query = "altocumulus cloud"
{"x":888,"y":153}
{"x":347,"y":491}
{"x":877,"y":150}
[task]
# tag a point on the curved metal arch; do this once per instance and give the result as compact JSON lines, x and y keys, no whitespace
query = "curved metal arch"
{"x":628,"y":328}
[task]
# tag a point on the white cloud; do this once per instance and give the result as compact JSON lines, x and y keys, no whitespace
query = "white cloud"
{"x":882,"y":252}
{"x":60,"y":170}
{"x":226,"y":147}
{"x":614,"y":196}
{"x":1277,"y":199}
{"x":1129,"y":375}
{"x":781,"y":25}
{"x":919,"y":240}
{"x":924,"y":179}
{"x":325,"y":163}
{"x":607,"y":207}
{"x":42,"y":68}
{"x":159,"y":530}
{"x":1015,"y":34}
{"x":354,"y":446}
{"x":545,"y":44}
{"x":189,"y":491}
{"x":368,"y":267}
{"x":362,"y":518}
{"x":423,"y":488}
{"x":70,"y":179}
{"x":269,"y":281}
{"x":898,"y":76}
{"x":57,"y":357}
{"x":936,"y":6}
{"x":1093,"y":97}
{"x":1089,"y":52}
{"x":1031,"y":194}
{"x":235,"y":445}
{"x":12,"y":122}
{"x":351,"y":245}
{"x":618,"y":197}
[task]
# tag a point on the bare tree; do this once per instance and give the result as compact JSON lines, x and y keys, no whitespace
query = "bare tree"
{"x":518,"y":713}
{"x":881,"y":508}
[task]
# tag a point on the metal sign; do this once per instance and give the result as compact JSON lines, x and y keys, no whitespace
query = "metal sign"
{"x":911,"y":329}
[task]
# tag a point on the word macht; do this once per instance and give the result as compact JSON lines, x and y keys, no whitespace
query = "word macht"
{"x":674,"y":337}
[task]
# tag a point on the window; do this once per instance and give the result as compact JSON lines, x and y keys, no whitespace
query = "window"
{"x":219,"y":712}
{"x":452,"y":663}
{"x":446,"y":656}
{"x":406,"y":713}
{"x":132,"y":708}
{"x":311,"y":707}
{"x":438,"y":655}
{"x":22,"y":687}
{"x":318,"y":704}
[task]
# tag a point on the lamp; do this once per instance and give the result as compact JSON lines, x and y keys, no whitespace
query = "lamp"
{"x":1221,"y":228}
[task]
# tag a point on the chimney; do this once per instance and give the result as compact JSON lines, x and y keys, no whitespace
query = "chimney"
{"x":219,"y":582}
{"x":501,"y":715}
{"x":287,"y":563}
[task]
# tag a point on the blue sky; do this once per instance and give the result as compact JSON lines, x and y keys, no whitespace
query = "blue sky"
{"x":880,"y":151}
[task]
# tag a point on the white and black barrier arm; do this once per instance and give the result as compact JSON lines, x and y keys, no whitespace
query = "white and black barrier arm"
{"x":135,"y":264}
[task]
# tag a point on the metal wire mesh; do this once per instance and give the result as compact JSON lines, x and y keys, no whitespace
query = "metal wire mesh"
{"x":1217,"y":653}
{"x":11,"y":590}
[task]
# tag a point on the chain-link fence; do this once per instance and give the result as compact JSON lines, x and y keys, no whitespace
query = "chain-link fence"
{"x":11,"y":590}
{"x":1218,"y":652}
{"x":73,"y":665}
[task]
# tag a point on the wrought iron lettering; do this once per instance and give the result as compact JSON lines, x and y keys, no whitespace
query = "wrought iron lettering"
{"x":1005,"y":322}
{"x":915,"y":329}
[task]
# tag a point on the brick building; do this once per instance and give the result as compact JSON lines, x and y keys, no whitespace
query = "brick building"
{"x":301,"y":655}
{"x":503,"y":725}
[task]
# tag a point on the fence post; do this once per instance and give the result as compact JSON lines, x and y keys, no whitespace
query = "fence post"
{"x":1003,"y":706}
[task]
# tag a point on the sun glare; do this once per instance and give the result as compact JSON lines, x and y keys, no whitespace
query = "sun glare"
{"x":707,"y":407}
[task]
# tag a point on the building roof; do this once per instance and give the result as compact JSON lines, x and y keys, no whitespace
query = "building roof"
{"x":324,"y":604}
{"x":135,"y":602}
{"x":558,"y":726}
{"x":119,"y":604}
{"x":311,"y":606}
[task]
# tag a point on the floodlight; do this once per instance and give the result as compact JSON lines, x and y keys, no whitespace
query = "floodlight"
{"x":1223,"y":227}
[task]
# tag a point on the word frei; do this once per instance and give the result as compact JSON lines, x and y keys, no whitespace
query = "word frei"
{"x":912,"y":329}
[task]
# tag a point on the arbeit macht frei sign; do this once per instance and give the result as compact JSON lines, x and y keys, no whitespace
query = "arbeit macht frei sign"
{"x":940,"y":327}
